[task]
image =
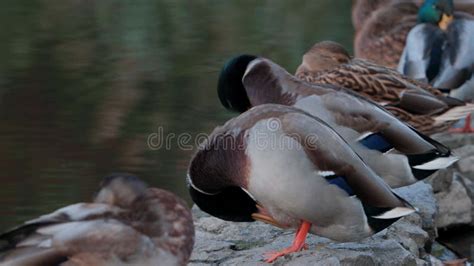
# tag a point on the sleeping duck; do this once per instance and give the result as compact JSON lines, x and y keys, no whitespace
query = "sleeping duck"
{"x":440,"y":50}
{"x":127,"y":223}
{"x":382,"y":37}
{"x":394,"y":150}
{"x":280,"y":165}
{"x":382,"y":27}
{"x":329,"y":63}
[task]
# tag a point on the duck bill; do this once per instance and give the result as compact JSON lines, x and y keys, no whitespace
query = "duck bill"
{"x":266,"y":219}
{"x":445,"y":21}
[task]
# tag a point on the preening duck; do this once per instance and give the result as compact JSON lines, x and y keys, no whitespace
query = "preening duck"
{"x":128,"y":223}
{"x":440,"y":50}
{"x":329,"y":63}
{"x":394,"y":150}
{"x":280,"y":165}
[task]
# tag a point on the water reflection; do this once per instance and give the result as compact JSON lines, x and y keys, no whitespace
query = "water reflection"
{"x":83,"y":83}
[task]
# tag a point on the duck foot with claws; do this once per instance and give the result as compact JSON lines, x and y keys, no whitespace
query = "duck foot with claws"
{"x":298,"y":244}
{"x":467,"y":128}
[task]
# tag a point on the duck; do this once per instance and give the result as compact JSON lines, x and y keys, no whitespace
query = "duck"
{"x":382,"y":37}
{"x":383,"y":26}
{"x":439,"y":51}
{"x":127,"y":223}
{"x":329,"y":63}
{"x":395,"y":151}
{"x":362,"y":10}
{"x":291,"y":170}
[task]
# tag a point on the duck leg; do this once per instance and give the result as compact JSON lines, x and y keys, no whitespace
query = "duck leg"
{"x":298,"y":244}
{"x":467,"y":126}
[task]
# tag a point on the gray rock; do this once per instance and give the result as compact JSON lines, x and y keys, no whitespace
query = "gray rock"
{"x":228,"y":243}
{"x":409,"y":234}
{"x":466,"y":165}
{"x":442,"y":179}
{"x":454,"y":205}
{"x":420,"y":195}
{"x":464,"y":151}
{"x":469,"y":186}
{"x":454,"y":140}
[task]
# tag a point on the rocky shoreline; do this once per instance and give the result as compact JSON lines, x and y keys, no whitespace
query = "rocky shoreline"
{"x":444,"y":200}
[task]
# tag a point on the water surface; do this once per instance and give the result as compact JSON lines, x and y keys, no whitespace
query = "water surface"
{"x":84,"y":83}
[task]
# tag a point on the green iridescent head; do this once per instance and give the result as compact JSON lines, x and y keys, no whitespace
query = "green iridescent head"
{"x":432,"y":11}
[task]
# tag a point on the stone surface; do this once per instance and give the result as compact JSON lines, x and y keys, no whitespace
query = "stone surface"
{"x":443,"y":201}
{"x":454,"y":140}
{"x":420,"y":195}
{"x":442,"y":179}
{"x":454,"y":205}
{"x":228,"y":243}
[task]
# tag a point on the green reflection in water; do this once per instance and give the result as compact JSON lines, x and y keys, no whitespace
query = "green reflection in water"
{"x":84,"y":83}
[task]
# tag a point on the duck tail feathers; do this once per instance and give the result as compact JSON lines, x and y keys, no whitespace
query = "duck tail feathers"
{"x":380,"y":218}
{"x":423,"y":165}
{"x":436,"y":164}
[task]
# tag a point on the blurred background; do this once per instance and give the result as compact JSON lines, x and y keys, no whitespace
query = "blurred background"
{"x":83,"y":83}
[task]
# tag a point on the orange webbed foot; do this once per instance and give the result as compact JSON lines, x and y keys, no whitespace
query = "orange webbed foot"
{"x":462,"y":130}
{"x":467,"y":128}
{"x":298,"y":244}
{"x":271,"y":256}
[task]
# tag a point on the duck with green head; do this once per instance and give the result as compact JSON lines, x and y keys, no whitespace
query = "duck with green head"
{"x":416,"y":103}
{"x":439,"y":50}
{"x":394,"y":150}
{"x":438,"y":12}
{"x":381,"y":27}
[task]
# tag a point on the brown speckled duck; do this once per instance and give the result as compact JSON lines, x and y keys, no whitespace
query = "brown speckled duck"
{"x":395,"y":151}
{"x":280,"y":165}
{"x":416,"y":103}
{"x":128,"y":223}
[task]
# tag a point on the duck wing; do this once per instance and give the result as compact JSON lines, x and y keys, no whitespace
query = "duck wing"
{"x":59,"y":236}
{"x":331,"y":154}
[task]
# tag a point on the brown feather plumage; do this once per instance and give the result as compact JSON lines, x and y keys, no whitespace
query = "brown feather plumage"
{"x":381,"y":84}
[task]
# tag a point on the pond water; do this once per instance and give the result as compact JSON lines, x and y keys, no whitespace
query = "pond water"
{"x":84,"y":84}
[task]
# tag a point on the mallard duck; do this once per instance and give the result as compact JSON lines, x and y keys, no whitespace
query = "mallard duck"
{"x":280,"y":165}
{"x":127,"y":223}
{"x":382,"y":28}
{"x":329,"y":63}
{"x":395,"y":151}
{"x":439,"y":50}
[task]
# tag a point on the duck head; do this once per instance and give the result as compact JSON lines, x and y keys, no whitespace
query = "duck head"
{"x":216,"y":176}
{"x":120,"y":190}
{"x":230,"y":89}
{"x":438,"y":12}
{"x":324,"y":56}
